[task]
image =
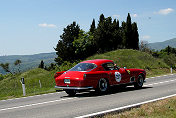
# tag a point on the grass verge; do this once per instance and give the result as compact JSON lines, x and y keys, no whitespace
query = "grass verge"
{"x":161,"y":109}
{"x":12,"y":88}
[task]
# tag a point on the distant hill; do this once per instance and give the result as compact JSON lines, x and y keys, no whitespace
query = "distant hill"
{"x":28,"y":61}
{"x":162,"y":45}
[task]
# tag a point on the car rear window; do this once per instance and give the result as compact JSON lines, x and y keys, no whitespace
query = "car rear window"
{"x":83,"y":67}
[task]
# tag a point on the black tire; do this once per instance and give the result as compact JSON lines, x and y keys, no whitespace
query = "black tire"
{"x":71,"y":92}
{"x":123,"y":86}
{"x":139,"y":82}
{"x":103,"y":86}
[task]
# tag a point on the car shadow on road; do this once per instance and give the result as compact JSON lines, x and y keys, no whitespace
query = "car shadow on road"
{"x":112,"y":90}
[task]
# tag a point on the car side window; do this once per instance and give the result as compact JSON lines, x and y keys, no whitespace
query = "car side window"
{"x":108,"y":66}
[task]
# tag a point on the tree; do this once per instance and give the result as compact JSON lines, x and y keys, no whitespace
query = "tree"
{"x":84,"y":45}
{"x":128,"y":33}
{"x":108,"y":35}
{"x":117,"y":40}
{"x":143,"y":46}
{"x":123,"y":34}
{"x":65,"y":49}
{"x":135,"y":37}
{"x":51,"y":67}
{"x":101,"y":18}
{"x":41,"y":65}
{"x":6,"y":67}
{"x":92,"y":27}
{"x":103,"y":35}
{"x":76,"y":44}
{"x":168,"y":49}
{"x":130,"y":36}
{"x":18,"y":62}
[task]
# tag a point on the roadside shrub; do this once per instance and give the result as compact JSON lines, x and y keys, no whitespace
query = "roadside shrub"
{"x":170,"y":59}
{"x":1,"y":77}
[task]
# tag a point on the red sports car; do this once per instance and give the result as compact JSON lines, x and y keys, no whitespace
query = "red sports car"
{"x":98,"y":74}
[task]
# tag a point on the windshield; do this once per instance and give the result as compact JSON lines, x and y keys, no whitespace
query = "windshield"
{"x":83,"y":67}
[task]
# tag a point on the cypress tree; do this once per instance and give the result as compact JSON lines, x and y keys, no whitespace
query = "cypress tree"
{"x":92,"y":27}
{"x":101,"y":18}
{"x":135,"y":37}
{"x":103,"y":35}
{"x":117,"y":40}
{"x":123,"y":34}
{"x":41,"y":65}
{"x":128,"y":33}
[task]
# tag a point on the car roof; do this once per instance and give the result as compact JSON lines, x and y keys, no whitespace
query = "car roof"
{"x":98,"y":61}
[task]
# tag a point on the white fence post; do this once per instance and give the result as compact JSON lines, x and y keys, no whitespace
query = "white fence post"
{"x":23,"y":86}
{"x":171,"y":69}
{"x":40,"y":84}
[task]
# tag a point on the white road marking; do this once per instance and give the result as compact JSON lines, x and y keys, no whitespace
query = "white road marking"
{"x":124,"y":107}
{"x":34,"y":104}
{"x":32,"y":96}
{"x":159,"y":76}
{"x":160,"y":82}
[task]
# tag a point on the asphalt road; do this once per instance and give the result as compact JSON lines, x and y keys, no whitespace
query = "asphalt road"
{"x":59,"y":105}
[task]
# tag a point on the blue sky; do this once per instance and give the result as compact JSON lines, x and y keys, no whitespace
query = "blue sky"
{"x":34,"y":26}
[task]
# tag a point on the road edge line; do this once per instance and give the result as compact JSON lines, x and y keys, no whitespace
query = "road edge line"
{"x":34,"y":104}
{"x":127,"y":107}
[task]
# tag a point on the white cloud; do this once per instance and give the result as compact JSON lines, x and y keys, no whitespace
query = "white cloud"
{"x":115,"y":16}
{"x":47,"y":25}
{"x":164,"y":11}
{"x":134,"y":15}
{"x":146,"y":37}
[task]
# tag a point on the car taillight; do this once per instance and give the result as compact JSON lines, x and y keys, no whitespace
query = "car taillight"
{"x":56,"y":75}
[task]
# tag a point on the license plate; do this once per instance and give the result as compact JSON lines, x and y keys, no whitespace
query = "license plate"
{"x":67,"y":81}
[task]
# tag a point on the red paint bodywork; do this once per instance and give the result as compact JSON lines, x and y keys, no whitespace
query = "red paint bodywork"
{"x":91,"y":78}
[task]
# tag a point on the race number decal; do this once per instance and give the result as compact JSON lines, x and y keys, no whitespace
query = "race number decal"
{"x":117,"y":76}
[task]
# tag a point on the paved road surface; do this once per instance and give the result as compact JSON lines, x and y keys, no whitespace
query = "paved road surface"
{"x":60,"y":105}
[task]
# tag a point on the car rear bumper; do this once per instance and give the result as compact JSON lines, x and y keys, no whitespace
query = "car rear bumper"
{"x":72,"y":88}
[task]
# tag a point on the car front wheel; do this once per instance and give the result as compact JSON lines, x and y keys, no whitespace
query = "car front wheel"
{"x":139,"y":82}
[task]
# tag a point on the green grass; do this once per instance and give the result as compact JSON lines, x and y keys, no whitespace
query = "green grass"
{"x":132,"y":59}
{"x":136,"y":59}
{"x":160,"y":109}
{"x":11,"y":86}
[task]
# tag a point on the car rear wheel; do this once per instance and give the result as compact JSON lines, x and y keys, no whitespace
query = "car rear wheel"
{"x":102,"y":85}
{"x":71,"y":92}
{"x":139,"y":83}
